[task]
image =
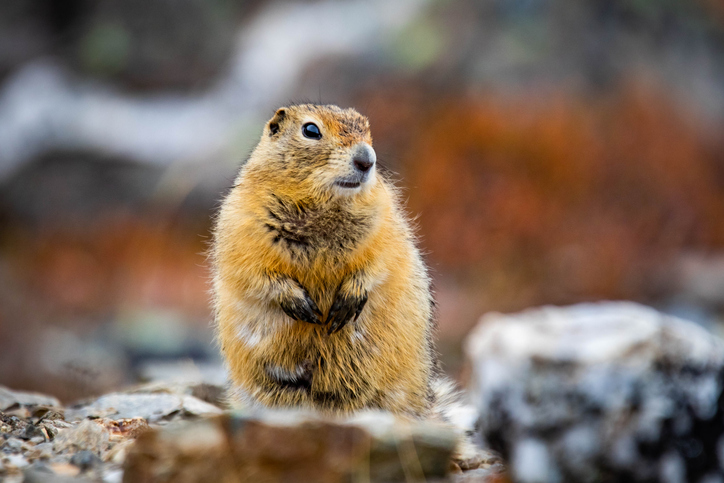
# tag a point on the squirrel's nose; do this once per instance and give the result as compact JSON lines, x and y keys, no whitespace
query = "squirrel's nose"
{"x":363,"y":157}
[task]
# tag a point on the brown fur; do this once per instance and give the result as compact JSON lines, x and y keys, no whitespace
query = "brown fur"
{"x":284,"y":228}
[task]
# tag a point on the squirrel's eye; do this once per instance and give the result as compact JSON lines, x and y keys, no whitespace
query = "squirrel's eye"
{"x":310,"y":130}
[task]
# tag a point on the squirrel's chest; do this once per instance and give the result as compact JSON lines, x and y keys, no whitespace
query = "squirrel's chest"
{"x":308,"y":232}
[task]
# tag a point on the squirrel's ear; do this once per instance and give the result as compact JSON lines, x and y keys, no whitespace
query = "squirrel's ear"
{"x":276,"y":121}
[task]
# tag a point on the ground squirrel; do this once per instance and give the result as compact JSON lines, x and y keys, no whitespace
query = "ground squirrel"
{"x":322,"y":298}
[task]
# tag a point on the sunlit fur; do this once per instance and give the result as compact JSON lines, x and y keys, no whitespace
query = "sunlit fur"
{"x":358,"y":240}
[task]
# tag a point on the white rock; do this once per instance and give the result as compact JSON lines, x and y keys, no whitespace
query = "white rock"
{"x":605,"y":391}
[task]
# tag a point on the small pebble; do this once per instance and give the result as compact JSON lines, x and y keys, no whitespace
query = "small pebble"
{"x":32,"y":432}
{"x":47,"y":413}
{"x":43,"y":451}
{"x":14,"y":445}
{"x":88,"y":435}
{"x":64,"y":469}
{"x":38,"y":473}
{"x":85,"y":460}
{"x":16,"y":460}
{"x":50,"y":430}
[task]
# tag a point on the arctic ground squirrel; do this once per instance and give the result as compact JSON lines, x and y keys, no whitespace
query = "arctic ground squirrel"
{"x":322,"y":300}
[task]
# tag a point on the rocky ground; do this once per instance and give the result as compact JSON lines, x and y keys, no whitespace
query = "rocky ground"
{"x":586,"y":393}
{"x":41,"y":440}
{"x":179,"y":433}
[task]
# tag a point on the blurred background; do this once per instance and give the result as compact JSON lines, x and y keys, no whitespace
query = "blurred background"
{"x":555,"y":151}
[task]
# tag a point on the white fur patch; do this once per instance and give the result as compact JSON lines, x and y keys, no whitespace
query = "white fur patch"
{"x":358,"y":335}
{"x":248,"y":335}
{"x":241,"y":399}
{"x":397,"y":397}
{"x":286,"y":375}
{"x":258,"y":321}
{"x":463,"y":416}
{"x":381,"y":278}
{"x":450,"y":407}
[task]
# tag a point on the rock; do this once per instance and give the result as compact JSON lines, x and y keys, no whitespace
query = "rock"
{"x":64,"y":469}
{"x":86,"y":436}
{"x":122,"y":429}
{"x":183,"y":371}
{"x":44,"y":474}
{"x":401,"y":451}
{"x":54,"y":426}
{"x":18,"y":411}
{"x":211,"y":393}
{"x":38,"y":444}
{"x":35,"y":434}
{"x":10,"y":399}
{"x":13,"y":426}
{"x":204,"y":381}
{"x":14,"y":462}
{"x":290,"y":446}
{"x":12,"y":445}
{"x":47,"y":413}
{"x":42,"y":451}
{"x":85,"y":460}
{"x":117,"y":454}
{"x":151,"y":407}
{"x":600,"y":392}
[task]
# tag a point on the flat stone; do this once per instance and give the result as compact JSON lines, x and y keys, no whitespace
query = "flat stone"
{"x":85,"y":460}
{"x":117,"y":454}
{"x":15,"y":461}
{"x":42,"y":451}
{"x":183,"y":372}
{"x":10,"y":398}
{"x":13,"y":445}
{"x":291,"y":447}
{"x":47,"y":413}
{"x":600,"y":392}
{"x":64,"y":469}
{"x":86,"y":436}
{"x":44,"y":474}
{"x":151,"y":407}
{"x":214,"y":394}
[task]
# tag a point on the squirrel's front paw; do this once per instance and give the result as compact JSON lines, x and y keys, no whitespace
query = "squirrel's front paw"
{"x":346,"y":306}
{"x":302,"y":307}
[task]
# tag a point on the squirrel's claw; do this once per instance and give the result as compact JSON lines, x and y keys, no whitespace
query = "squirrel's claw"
{"x":343,"y":309}
{"x":304,"y":309}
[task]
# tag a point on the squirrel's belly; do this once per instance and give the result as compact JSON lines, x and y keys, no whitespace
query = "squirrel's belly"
{"x":295,"y":364}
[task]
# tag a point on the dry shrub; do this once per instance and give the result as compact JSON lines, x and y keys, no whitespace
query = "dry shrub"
{"x":560,"y":198}
{"x":117,"y":262}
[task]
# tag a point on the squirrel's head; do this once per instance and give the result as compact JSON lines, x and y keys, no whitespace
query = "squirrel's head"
{"x":318,"y":149}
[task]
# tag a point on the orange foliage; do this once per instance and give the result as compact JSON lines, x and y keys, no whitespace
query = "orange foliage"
{"x":116,"y":263}
{"x":561,"y":199}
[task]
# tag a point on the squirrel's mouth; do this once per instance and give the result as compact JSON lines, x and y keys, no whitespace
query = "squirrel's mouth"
{"x":348,"y":184}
